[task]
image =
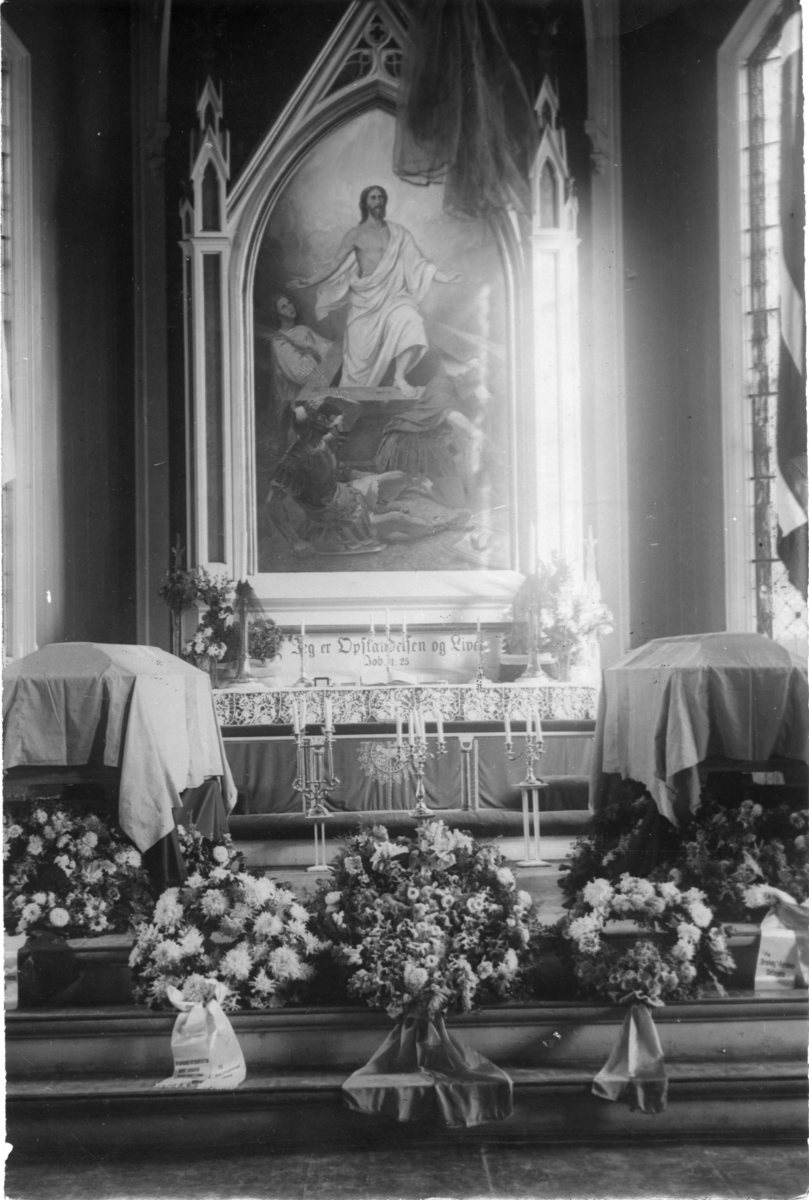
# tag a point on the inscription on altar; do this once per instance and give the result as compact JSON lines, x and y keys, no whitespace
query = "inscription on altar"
{"x":428,"y":655}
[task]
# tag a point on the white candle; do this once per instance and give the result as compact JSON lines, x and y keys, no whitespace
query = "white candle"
{"x":296,"y":725}
{"x":304,"y":715}
{"x":303,"y":629}
{"x":421,"y":726}
{"x":507,"y":720}
{"x":372,"y":623}
{"x":398,"y":729}
{"x":478,"y":628}
{"x":404,"y":630}
{"x":439,"y":721}
{"x":528,"y":723}
{"x":537,"y":725}
{"x":410,"y":737}
{"x":387,"y":620}
{"x":327,"y":712}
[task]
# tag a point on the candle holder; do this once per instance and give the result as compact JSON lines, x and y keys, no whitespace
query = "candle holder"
{"x":388,"y":654}
{"x":303,"y":679}
{"x":532,"y":670}
{"x":416,"y":754}
{"x":315,"y":778}
{"x":480,"y":679}
{"x":530,"y":788}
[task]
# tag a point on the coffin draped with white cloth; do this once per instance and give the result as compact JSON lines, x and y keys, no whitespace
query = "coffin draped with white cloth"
{"x":678,"y":708}
{"x":135,"y":715}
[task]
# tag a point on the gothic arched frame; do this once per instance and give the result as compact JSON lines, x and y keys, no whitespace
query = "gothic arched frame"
{"x":316,"y":110}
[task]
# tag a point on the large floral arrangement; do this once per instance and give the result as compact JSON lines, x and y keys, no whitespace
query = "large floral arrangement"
{"x":725,"y":848}
{"x":264,"y":639}
{"x":70,"y":873}
{"x":568,"y":610}
{"x":217,"y":634}
{"x":228,"y":925}
{"x":682,"y":953}
{"x":425,"y":925}
{"x":180,"y":589}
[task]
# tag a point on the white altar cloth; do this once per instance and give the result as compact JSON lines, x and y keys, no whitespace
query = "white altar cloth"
{"x":133,"y":707}
{"x":369,"y":705}
{"x":678,"y":702}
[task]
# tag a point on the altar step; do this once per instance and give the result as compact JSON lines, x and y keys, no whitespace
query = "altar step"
{"x":285,"y":840}
{"x":737,"y":1068}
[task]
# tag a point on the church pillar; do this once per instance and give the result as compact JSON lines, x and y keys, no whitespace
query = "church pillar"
{"x":150,"y":33}
{"x":607,"y":499}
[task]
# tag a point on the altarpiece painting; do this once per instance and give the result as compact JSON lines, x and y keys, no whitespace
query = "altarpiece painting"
{"x":436,"y":455}
{"x":381,"y":388}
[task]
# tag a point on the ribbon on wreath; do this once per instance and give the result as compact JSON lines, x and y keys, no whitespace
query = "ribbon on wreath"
{"x":420,"y":1069}
{"x":635,"y":1070}
{"x":206,"y":1051}
{"x":783,"y":952}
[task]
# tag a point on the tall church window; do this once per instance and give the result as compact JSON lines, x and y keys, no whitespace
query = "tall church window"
{"x":763,"y":351}
{"x":19,"y":355}
{"x":773,"y":330}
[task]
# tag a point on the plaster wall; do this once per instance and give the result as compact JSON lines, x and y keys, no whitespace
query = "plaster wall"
{"x":83,"y":252}
{"x":669,"y":121}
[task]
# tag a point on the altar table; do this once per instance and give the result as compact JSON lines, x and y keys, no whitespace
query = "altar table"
{"x":677,"y":707}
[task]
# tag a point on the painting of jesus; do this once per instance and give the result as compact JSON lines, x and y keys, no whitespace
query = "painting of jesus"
{"x":398,"y":326}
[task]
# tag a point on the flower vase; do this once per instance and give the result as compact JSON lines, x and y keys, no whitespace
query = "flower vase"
{"x":176,"y":631}
{"x":212,"y":665}
{"x":563,"y":666}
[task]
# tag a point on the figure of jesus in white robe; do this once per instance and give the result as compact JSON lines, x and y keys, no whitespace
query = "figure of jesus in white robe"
{"x":383,"y":318}
{"x":384,"y":276}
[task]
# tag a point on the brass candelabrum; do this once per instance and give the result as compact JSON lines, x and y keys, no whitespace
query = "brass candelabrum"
{"x":416,"y":754}
{"x":315,"y":780}
{"x":530,"y":787}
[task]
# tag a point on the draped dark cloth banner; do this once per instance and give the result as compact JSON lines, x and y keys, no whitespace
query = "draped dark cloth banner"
{"x":791,"y":491}
{"x":464,"y":118}
{"x":420,"y":1070}
{"x":635,"y":1071}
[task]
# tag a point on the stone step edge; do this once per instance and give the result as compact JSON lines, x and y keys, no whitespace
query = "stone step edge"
{"x":747,"y":1006}
{"x":486,"y":823}
{"x":116,"y":1087}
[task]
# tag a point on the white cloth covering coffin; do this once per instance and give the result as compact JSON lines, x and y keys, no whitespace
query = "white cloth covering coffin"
{"x":679,"y":702}
{"x":136,"y":708}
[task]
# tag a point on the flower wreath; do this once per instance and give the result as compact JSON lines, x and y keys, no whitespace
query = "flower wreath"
{"x":427,"y":925}
{"x":226,"y":925}
{"x":683,"y":953}
{"x":70,"y":872}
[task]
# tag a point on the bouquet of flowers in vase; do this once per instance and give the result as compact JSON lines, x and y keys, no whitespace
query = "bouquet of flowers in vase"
{"x":70,"y":873}
{"x":425,"y":926}
{"x":264,"y":639}
{"x":567,"y":612}
{"x":180,"y":588}
{"x":678,"y":952}
{"x":216,"y":635}
{"x":224,"y":924}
